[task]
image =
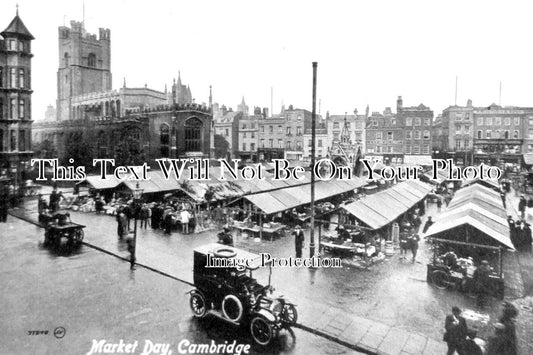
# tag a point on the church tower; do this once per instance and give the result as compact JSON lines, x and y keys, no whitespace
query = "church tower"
{"x":84,"y":65}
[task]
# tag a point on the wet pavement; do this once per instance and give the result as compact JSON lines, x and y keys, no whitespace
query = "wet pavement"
{"x":57,"y":302}
{"x":392,"y":294}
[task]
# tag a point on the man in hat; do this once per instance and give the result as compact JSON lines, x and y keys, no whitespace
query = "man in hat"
{"x":456,"y":331}
{"x":522,"y":204}
{"x":298,"y":240}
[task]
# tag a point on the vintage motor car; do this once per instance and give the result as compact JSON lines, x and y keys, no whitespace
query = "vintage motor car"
{"x":234,"y":295}
{"x":60,"y":226}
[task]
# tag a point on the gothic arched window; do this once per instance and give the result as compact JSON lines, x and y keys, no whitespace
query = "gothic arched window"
{"x":193,"y":135}
{"x":66,"y":60}
{"x":91,"y":60}
{"x":164,"y":137}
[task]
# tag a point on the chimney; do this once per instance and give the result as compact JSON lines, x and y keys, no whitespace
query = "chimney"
{"x":399,"y":104}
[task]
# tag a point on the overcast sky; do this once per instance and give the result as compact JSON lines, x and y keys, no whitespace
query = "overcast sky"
{"x":368,"y":52}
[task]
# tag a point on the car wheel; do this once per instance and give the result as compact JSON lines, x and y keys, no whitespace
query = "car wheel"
{"x":198,"y":304}
{"x":261,"y":330}
{"x":440,"y":279}
{"x":290,"y":315}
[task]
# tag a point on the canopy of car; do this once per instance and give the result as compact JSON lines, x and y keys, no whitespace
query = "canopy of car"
{"x":382,"y":208}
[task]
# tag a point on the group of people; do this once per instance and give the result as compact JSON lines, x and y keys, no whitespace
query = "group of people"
{"x":409,"y":241}
{"x":462,"y":340}
{"x":521,"y":236}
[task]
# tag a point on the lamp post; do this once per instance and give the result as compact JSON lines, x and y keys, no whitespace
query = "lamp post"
{"x":137,"y":193}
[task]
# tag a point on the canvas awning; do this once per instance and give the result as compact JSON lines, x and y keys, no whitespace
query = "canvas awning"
{"x":384,"y":207}
{"x":295,"y":196}
{"x":97,"y":183}
{"x":418,"y":160}
{"x":477,"y":207}
{"x":495,"y":185}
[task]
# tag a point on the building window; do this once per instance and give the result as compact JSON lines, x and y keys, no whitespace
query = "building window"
{"x":91,"y":60}
{"x":418,"y":121}
{"x":417,"y":134}
{"x":515,"y":134}
{"x":252,"y":134}
{"x":379,"y":136}
{"x":298,"y":131}
{"x":262,"y":143}
{"x":407,"y":149}
{"x":271,"y":142}
{"x":335,"y":125}
{"x":12,"y":45}
{"x":13,"y":142}
{"x":408,"y":134}
{"x":244,"y":126}
{"x":227,"y":132}
{"x":244,"y":146}
{"x":506,"y":134}
{"x":479,"y":135}
{"x":21,"y":108}
{"x":488,"y":133}
{"x":507,"y":121}
{"x":319,"y":142}
{"x":389,"y":149}
{"x":416,"y":149}
{"x":378,"y":149}
{"x":252,"y":146}
{"x":22,"y":140}
{"x":288,"y":144}
{"x":517,"y":121}
{"x":389,"y":136}
{"x":426,"y":135}
{"x":299,"y":118}
{"x":426,"y":121}
{"x":271,"y":129}
{"x":289,"y":131}
{"x":13,"y":108}
{"x":21,"y":78}
{"x":298,"y":145}
{"x":425,"y":149}
{"x":244,"y":135}
{"x":13,"y":77}
{"x":480,"y":121}
{"x":262,"y":129}
{"x":193,"y":135}
{"x":497,"y":121}
{"x":164,"y":140}
{"x":280,"y":129}
{"x":458,"y":144}
{"x":280,"y":143}
{"x":65,"y":59}
{"x":408,"y":121}
{"x":488,"y":121}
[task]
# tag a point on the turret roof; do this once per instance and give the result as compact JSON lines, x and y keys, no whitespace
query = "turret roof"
{"x":17,"y":27}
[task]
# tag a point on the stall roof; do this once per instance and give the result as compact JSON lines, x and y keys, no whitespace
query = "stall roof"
{"x":96,"y":182}
{"x":477,"y":219}
{"x":384,"y":207}
{"x":493,"y":184}
{"x":441,"y":176}
{"x":294,"y":196}
{"x":421,"y":160}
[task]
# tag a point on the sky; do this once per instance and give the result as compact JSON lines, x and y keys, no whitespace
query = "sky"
{"x":368,"y":52}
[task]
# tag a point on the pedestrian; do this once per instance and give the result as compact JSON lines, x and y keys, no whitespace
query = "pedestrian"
{"x":99,"y":205}
{"x":509,"y":313}
{"x":404,"y":244}
{"x":439,"y":203}
{"x":413,"y":243}
{"x":497,"y":344}
{"x":522,"y":204}
{"x":456,"y":331}
{"x":154,"y":211}
{"x":527,"y":237}
{"x":144,"y":215}
{"x":422,"y":207}
{"x":428,"y":224}
{"x":502,"y":195}
{"x":3,"y":208}
{"x":417,"y":222}
{"x":122,"y":225}
{"x":185,"y":221}
{"x":482,"y":282}
{"x":167,"y":222}
{"x":298,"y":240}
{"x":131,"y":249}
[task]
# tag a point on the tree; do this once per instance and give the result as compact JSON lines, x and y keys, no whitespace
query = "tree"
{"x":79,"y":148}
{"x":129,"y":152}
{"x":221,"y":146}
{"x":44,"y":150}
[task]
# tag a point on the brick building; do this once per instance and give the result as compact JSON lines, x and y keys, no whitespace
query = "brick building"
{"x":15,"y":107}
